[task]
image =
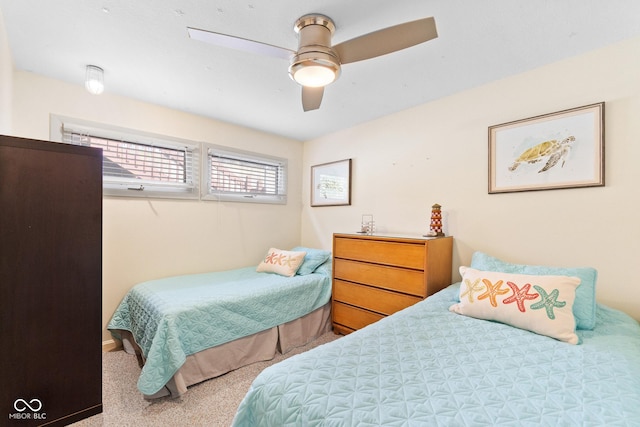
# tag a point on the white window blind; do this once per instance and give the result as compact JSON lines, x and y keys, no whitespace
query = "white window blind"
{"x":140,"y":165}
{"x":246,"y":177}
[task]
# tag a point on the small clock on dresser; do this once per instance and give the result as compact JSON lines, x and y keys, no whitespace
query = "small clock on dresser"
{"x":376,"y":275}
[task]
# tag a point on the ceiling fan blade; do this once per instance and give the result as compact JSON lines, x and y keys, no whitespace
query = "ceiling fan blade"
{"x":311,"y":97}
{"x":238,"y":43}
{"x":387,"y":40}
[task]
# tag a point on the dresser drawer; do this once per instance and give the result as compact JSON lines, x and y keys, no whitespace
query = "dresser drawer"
{"x":396,"y":279}
{"x":352,"y":317}
{"x":380,"y":252}
{"x":374,"y":299}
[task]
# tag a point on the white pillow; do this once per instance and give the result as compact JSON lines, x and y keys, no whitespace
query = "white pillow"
{"x":285,"y":263}
{"x":540,"y":304}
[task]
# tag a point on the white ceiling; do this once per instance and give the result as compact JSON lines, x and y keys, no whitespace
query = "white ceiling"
{"x":146,"y":53}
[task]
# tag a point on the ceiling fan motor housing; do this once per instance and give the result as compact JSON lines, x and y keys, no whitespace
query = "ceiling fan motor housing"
{"x":315,"y":54}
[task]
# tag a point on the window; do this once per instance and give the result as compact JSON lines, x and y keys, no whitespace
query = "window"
{"x":137,"y":164}
{"x":232,"y":175}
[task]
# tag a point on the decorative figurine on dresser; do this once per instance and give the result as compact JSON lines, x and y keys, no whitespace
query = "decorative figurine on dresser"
{"x":435,"y":227}
{"x":376,"y":275}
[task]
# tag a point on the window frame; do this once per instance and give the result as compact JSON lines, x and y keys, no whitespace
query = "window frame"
{"x":113,"y":186}
{"x":242,"y":155}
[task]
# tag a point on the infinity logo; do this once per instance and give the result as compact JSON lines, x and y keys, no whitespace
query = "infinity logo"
{"x":21,"y":405}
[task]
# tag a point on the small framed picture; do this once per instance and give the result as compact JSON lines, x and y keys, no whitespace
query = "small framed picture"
{"x":558,"y":150}
{"x":331,"y":184}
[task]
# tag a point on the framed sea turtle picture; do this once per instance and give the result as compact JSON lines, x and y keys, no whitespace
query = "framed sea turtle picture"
{"x":564,"y":149}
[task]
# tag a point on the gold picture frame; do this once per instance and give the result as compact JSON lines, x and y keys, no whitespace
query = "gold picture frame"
{"x":559,"y":150}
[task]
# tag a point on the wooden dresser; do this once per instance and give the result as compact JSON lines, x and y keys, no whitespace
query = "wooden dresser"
{"x":375,"y":276}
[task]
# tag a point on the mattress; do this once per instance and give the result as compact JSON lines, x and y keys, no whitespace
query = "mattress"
{"x":175,"y":317}
{"x":427,"y":366}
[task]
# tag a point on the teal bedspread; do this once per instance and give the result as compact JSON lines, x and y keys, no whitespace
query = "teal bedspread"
{"x":178,"y":316}
{"x":426,"y":366}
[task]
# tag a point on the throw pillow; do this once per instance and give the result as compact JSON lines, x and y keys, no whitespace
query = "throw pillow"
{"x":540,"y":304}
{"x":313,"y":259}
{"x":584,"y":307}
{"x":285,"y":263}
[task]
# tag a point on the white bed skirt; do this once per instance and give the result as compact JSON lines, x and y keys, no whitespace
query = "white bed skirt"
{"x":219,"y":360}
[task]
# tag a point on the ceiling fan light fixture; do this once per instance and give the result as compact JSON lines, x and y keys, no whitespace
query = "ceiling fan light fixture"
{"x":315,"y":63}
{"x":94,"y":80}
{"x":314,"y":72}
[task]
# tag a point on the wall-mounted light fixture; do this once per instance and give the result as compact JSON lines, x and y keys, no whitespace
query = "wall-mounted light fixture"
{"x":94,"y":81}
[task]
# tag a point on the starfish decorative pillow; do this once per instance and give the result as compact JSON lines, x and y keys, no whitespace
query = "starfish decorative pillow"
{"x":284,"y":263}
{"x":540,"y":304}
{"x":584,"y":306}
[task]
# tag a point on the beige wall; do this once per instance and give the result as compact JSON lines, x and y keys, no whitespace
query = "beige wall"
{"x":147,"y":239}
{"x":437,"y":153}
{"x":6,"y":79}
{"x":402,"y":164}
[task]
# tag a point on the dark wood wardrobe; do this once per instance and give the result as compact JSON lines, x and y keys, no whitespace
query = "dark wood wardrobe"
{"x":50,"y":282}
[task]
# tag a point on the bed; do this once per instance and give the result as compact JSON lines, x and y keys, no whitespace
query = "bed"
{"x":187,"y":329}
{"x":431,"y":365}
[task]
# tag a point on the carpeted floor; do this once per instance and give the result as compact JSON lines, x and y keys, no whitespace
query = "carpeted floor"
{"x":210,"y":403}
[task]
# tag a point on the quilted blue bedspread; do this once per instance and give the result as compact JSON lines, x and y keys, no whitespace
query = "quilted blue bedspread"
{"x":426,"y":366}
{"x":178,"y":316}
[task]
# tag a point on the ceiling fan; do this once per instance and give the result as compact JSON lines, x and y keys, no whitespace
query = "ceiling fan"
{"x":317,"y":63}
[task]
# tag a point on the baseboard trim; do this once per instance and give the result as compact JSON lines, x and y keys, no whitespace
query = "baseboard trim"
{"x":111,"y":345}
